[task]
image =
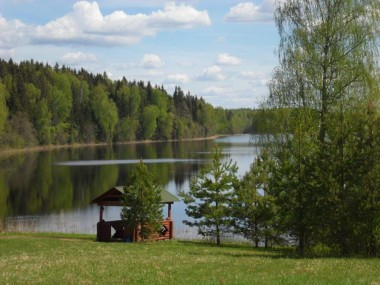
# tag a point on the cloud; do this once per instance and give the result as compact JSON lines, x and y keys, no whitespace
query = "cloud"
{"x":253,"y":74}
{"x":151,"y":61}
{"x":258,"y":78}
{"x":7,"y":53}
{"x":179,"y":16}
{"x":212,"y":73}
{"x":178,"y":78}
{"x":227,"y":59}
{"x":78,"y":58}
{"x":232,"y":96}
{"x":249,"y":12}
{"x":88,"y":26}
{"x":155,"y":73}
{"x":13,"y":33}
{"x":215,"y":90}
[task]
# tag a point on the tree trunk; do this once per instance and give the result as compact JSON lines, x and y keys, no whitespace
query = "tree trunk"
{"x":217,"y":235}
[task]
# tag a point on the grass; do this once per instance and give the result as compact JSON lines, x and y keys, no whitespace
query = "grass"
{"x":78,"y":259}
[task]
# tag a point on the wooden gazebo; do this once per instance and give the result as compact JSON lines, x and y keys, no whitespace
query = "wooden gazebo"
{"x":114,"y":197}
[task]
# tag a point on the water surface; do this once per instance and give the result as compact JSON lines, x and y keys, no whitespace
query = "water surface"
{"x":51,"y":190}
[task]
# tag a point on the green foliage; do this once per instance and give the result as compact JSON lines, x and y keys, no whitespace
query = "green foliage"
{"x":322,"y":99}
{"x":149,"y":121}
{"x":165,"y":125}
{"x":60,"y":105}
{"x":105,"y":111}
{"x":22,"y":132}
{"x":127,"y":129}
{"x":142,"y":200}
{"x":253,"y":207}
{"x":209,"y":198}
{"x":42,"y":121}
{"x":3,"y":107}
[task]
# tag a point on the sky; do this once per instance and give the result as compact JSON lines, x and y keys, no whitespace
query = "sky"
{"x":221,"y":50}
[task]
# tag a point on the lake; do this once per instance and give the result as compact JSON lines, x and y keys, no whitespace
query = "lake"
{"x":50,"y":191}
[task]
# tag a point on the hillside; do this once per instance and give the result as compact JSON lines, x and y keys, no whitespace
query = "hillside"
{"x":45,"y":105}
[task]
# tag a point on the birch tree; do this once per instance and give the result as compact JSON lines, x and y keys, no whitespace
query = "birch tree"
{"x":327,"y":72}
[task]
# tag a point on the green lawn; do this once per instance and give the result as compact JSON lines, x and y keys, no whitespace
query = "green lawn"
{"x":73,"y":259}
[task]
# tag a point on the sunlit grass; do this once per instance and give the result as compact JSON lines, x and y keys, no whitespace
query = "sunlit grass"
{"x":78,"y":259}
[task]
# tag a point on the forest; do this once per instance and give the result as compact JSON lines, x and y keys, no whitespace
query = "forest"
{"x":45,"y":105}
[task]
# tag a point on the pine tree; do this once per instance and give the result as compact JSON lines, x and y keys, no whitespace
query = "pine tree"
{"x":253,"y":209}
{"x":142,"y":202}
{"x":209,"y":198}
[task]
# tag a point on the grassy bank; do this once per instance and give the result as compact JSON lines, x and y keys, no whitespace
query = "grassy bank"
{"x":73,"y":259}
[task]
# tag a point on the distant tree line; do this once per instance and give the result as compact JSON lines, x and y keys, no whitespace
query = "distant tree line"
{"x":43,"y":105}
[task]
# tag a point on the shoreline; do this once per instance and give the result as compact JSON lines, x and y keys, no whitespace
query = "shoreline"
{"x":10,"y":151}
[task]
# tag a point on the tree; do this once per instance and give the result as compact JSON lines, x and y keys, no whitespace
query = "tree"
{"x":3,"y":107}
{"x":149,"y":121}
{"x":142,"y":202}
{"x":327,"y":74}
{"x":165,"y":125}
{"x":209,"y":198}
{"x":105,"y":112}
{"x":62,"y":105}
{"x":127,"y":129}
{"x":253,"y":209}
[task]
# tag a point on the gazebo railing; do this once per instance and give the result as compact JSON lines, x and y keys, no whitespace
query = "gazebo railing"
{"x":128,"y":234}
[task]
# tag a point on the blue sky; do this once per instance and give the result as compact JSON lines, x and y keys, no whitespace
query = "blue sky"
{"x":223,"y":51}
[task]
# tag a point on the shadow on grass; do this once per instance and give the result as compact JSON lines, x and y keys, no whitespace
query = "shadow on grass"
{"x":246,"y":250}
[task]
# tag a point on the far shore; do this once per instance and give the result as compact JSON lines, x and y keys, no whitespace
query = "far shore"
{"x":13,"y":151}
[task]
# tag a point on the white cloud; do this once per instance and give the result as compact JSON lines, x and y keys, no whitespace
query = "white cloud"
{"x":155,"y":73}
{"x":179,"y":16}
{"x":88,"y":26}
{"x":78,"y":58}
{"x":218,"y":90}
{"x":253,"y":74}
{"x":257,"y":78}
{"x":13,"y":33}
{"x":178,"y":78}
{"x":227,"y":59}
{"x":7,"y":53}
{"x":249,"y":12}
{"x":212,"y":73}
{"x":151,"y":61}
{"x":232,"y":96}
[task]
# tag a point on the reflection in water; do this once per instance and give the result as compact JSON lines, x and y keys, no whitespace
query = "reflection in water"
{"x":126,"y":161}
{"x":51,"y":191}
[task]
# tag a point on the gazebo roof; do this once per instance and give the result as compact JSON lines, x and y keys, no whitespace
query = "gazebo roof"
{"x":114,"y":197}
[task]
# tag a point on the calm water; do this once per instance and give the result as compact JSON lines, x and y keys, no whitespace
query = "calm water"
{"x":51,"y":190}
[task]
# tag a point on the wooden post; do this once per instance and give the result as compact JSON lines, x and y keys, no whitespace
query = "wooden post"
{"x":170,"y":211}
{"x":101,"y":213}
{"x":171,"y":232}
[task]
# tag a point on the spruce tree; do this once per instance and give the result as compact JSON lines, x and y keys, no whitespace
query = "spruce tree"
{"x":253,"y":209}
{"x":142,"y":202}
{"x":209,"y":198}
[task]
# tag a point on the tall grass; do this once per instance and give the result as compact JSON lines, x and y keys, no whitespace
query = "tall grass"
{"x":78,"y":259}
